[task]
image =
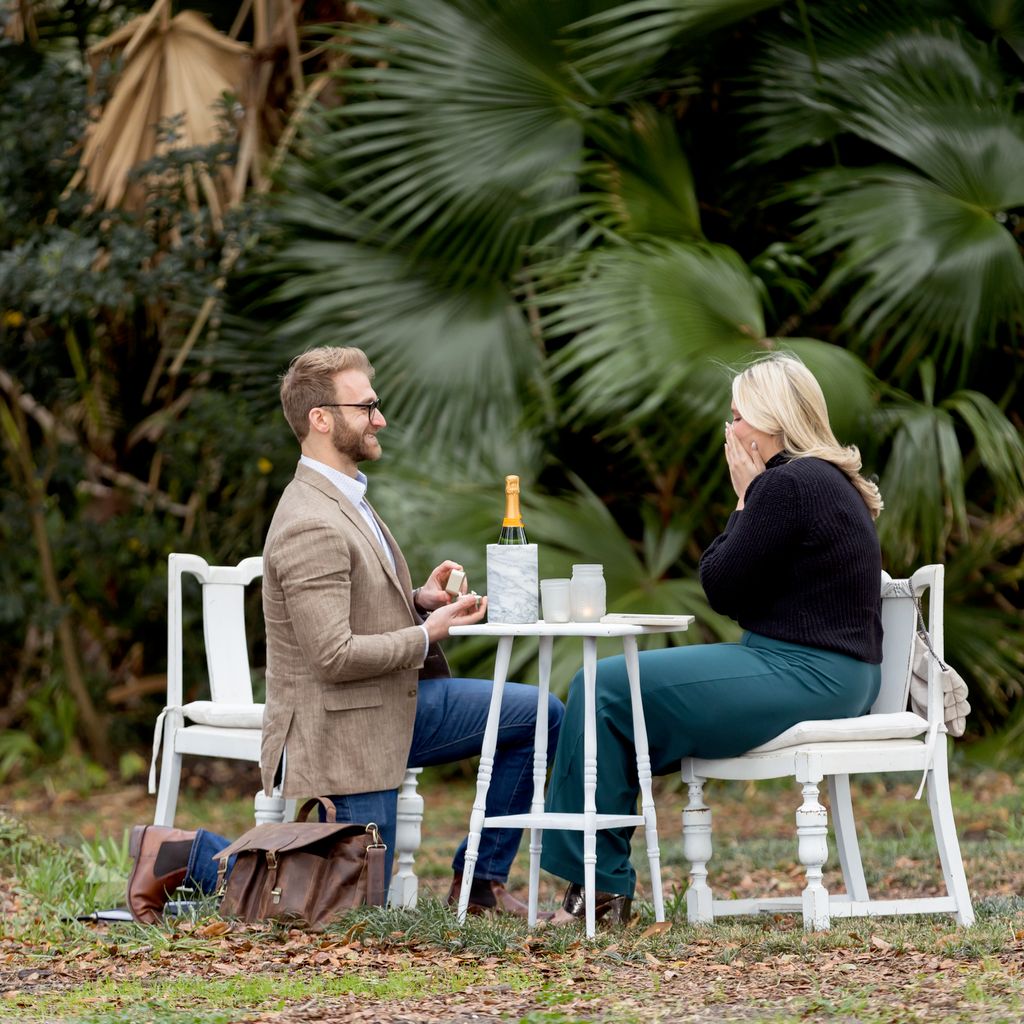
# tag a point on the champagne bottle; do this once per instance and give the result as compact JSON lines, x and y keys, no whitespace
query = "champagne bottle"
{"x":512,"y":529}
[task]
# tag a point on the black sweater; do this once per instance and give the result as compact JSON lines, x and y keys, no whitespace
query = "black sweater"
{"x":800,"y":562}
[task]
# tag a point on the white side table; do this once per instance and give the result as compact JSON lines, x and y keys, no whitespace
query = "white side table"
{"x":590,"y":820}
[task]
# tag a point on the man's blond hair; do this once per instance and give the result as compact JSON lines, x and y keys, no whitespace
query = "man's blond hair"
{"x":309,"y":382}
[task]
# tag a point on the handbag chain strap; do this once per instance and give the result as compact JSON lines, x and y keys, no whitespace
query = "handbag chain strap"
{"x":922,"y":630}
{"x":905,"y":588}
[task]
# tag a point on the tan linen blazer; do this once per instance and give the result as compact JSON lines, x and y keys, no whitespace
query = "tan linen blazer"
{"x":344,"y":651}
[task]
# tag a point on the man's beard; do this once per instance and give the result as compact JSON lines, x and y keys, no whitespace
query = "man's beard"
{"x":353,"y":444}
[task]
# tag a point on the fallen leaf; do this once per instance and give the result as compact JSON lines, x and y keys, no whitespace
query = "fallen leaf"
{"x":658,"y":928}
{"x":213,"y":929}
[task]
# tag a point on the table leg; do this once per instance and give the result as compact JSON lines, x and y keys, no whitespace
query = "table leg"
{"x":589,"y":779}
{"x":643,"y":769}
{"x":540,"y":770}
{"x":483,"y":777}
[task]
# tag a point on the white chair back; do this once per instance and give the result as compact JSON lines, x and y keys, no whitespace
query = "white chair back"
{"x":227,"y":654}
{"x":899,"y":624}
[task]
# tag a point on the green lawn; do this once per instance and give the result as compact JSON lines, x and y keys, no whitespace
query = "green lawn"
{"x":61,"y":852}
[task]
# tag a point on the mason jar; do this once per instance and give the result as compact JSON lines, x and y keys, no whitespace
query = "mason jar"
{"x":587,"y":593}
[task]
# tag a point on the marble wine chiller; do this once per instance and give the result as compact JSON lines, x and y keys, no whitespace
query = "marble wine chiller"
{"x":512,"y":580}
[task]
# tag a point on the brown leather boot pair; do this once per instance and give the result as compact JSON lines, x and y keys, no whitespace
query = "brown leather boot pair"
{"x":161,"y":861}
{"x":489,"y":896}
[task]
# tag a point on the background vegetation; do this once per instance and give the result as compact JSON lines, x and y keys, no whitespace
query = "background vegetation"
{"x":552,"y":224}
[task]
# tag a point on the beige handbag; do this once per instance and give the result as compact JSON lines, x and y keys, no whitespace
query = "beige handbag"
{"x":954,"y":690}
{"x":955,"y":705}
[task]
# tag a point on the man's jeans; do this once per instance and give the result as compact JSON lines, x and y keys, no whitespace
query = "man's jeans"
{"x":450,"y":719}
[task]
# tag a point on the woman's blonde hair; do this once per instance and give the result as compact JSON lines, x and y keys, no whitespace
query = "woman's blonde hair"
{"x":780,"y":396}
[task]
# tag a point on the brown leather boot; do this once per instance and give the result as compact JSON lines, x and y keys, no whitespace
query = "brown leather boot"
{"x":609,"y":907}
{"x":161,"y":860}
{"x":488,"y":896}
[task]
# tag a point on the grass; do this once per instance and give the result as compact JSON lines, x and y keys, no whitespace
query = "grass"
{"x":422,"y":965}
{"x":270,"y":992}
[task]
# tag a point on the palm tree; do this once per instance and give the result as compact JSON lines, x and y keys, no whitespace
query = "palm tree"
{"x":551,"y":223}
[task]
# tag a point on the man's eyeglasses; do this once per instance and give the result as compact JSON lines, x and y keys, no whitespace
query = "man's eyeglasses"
{"x":370,"y":407}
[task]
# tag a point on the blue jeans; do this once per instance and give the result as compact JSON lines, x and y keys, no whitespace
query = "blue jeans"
{"x":450,"y":718}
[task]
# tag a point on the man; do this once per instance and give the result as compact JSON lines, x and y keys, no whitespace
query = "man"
{"x":357,"y":688}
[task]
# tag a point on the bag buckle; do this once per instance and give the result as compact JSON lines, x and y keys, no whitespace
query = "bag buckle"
{"x":276,"y":893}
{"x":375,"y":840}
{"x":272,"y":860}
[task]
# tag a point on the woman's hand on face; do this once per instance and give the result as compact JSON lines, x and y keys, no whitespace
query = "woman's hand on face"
{"x":744,"y":463}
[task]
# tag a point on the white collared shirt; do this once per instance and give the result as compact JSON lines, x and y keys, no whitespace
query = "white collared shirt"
{"x":354,"y":488}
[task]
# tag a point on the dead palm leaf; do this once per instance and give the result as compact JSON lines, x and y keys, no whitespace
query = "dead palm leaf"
{"x":19,"y":22}
{"x":172,"y":68}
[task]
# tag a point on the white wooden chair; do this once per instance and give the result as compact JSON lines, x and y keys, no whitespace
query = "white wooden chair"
{"x":889,"y":739}
{"x":230,"y":723}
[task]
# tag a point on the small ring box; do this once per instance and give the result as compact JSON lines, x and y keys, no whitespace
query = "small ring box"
{"x":455,"y":580}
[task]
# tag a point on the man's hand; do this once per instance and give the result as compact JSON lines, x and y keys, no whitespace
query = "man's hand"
{"x":744,"y":464}
{"x":432,"y":594}
{"x":463,"y":611}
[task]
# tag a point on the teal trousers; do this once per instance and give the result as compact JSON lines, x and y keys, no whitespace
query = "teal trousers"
{"x":705,"y":700}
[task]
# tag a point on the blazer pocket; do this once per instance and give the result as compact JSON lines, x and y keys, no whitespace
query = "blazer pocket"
{"x":347,"y":698}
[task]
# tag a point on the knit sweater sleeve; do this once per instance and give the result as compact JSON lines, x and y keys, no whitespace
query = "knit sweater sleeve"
{"x":741,"y":563}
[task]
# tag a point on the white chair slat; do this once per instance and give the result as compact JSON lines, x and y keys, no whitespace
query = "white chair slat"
{"x":227,"y":653}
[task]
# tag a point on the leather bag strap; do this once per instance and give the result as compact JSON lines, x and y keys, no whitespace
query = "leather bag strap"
{"x":313,"y":801}
{"x":375,"y":876}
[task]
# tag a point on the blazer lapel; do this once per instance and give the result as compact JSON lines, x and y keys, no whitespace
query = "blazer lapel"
{"x":401,"y":567}
{"x":355,"y":517}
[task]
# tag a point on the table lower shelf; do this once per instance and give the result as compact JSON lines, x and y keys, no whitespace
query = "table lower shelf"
{"x":553,"y":819}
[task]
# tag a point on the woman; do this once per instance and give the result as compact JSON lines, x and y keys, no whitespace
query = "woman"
{"x":799,"y":567}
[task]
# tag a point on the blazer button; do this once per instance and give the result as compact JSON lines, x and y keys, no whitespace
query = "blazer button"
{"x":412,"y":693}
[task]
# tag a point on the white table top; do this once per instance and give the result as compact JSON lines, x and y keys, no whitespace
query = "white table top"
{"x":597,"y":629}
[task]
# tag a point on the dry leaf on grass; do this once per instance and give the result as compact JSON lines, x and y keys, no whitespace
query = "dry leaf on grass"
{"x":213,"y":929}
{"x":658,"y":928}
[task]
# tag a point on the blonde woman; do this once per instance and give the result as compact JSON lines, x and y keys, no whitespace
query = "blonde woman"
{"x":798,"y":567}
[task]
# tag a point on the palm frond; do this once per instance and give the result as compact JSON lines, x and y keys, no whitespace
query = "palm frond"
{"x":176,"y":70}
{"x":923,"y":483}
{"x":460,"y":124}
{"x":640,"y":318}
{"x":1005,"y":18}
{"x":644,"y":183}
{"x":635,"y":35}
{"x":806,"y":91}
{"x":930,"y":271}
{"x":998,"y":445}
{"x":449,"y":357}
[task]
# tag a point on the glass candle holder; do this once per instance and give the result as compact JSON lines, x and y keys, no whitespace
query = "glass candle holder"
{"x":587,"y":593}
{"x":554,"y":600}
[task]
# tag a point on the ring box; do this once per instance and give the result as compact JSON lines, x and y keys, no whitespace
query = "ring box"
{"x":455,"y":580}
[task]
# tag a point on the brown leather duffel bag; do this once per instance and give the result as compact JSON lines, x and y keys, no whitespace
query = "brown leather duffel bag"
{"x":303,"y":872}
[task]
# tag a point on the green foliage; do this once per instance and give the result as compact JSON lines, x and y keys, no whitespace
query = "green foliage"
{"x":554,"y":228}
{"x":129,"y":457}
{"x":548,"y":231}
